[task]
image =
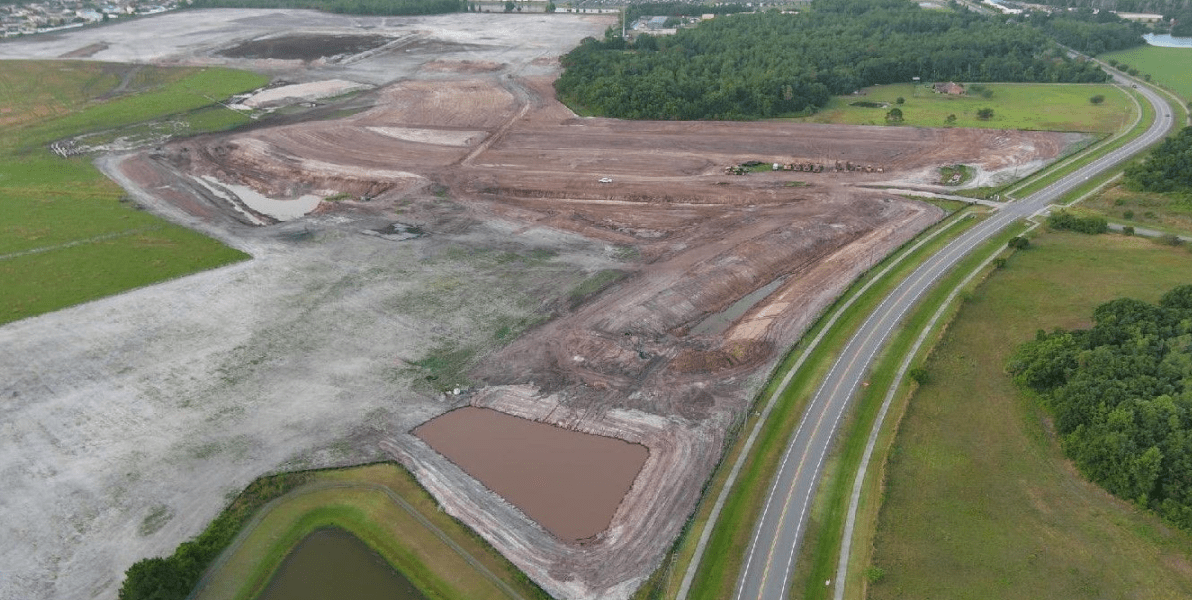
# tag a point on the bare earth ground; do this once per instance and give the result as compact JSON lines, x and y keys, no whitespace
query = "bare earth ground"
{"x":166,"y":399}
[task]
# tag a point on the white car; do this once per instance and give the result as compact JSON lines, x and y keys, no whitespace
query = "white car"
{"x":606,"y":180}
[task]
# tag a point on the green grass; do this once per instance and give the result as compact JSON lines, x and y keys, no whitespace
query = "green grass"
{"x":1057,"y":171}
{"x":1043,"y":107}
{"x":1168,"y":67}
{"x":593,"y":285}
{"x":720,"y":566}
{"x":979,"y":501}
{"x":1164,"y":212}
{"x":360,"y":500}
{"x":66,"y":234}
{"x":820,"y":551}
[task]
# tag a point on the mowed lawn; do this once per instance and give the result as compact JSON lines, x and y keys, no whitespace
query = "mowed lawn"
{"x":980,"y":503}
{"x":1169,"y":67}
{"x":1030,"y":106}
{"x":67,"y":233}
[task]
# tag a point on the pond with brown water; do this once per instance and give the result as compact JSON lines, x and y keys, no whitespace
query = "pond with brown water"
{"x":332,"y":563}
{"x":569,"y":482}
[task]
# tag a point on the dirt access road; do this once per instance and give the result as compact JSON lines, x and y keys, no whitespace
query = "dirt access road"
{"x":128,"y":421}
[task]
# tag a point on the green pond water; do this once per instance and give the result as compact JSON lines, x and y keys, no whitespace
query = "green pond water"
{"x":332,"y":564}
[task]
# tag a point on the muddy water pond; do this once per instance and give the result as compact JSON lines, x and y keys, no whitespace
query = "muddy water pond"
{"x":569,"y":482}
{"x":332,"y":563}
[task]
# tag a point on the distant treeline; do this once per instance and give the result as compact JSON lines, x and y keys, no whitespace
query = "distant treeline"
{"x":1160,"y":7}
{"x":680,"y":9}
{"x":355,"y":7}
{"x":1121,"y":395}
{"x":1087,"y":32}
{"x":766,"y":65}
{"x":1168,"y":168}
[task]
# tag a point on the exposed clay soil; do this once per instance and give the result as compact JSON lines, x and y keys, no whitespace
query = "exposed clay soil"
{"x":472,"y":148}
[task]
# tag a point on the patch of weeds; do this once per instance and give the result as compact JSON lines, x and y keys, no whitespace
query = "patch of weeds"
{"x":508,"y":328}
{"x":157,"y":518}
{"x":443,"y":367}
{"x":955,"y":174}
{"x":440,"y":191}
{"x":542,"y":254}
{"x":626,"y":253}
{"x":794,"y":184}
{"x":593,"y":285}
{"x":340,"y":197}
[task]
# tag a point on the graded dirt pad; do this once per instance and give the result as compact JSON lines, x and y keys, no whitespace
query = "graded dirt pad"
{"x":323,"y":349}
{"x":569,"y":482}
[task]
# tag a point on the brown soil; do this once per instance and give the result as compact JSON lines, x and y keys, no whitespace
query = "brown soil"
{"x":623,"y":363}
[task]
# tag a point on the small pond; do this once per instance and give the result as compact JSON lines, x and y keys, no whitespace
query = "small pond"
{"x":332,"y":563}
{"x":1165,"y":40}
{"x":570,"y":482}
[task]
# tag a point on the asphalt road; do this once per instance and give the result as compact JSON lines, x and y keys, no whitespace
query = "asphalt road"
{"x":771,"y":553}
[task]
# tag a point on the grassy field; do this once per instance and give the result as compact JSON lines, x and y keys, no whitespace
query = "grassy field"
{"x":1169,"y":67}
{"x":1164,"y":212}
{"x":359,"y":500}
{"x":66,"y":234}
{"x":979,"y":501}
{"x":1044,"y":107}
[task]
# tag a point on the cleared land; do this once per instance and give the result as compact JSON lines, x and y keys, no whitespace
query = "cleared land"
{"x":68,"y":234}
{"x":980,"y":502}
{"x":1041,"y":107}
{"x":1167,"y":67}
{"x":469,"y":209}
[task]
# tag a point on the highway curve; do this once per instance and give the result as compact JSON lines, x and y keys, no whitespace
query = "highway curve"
{"x":771,"y":553}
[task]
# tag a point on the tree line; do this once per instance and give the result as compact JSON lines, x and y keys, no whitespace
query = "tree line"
{"x":356,"y":7}
{"x":769,"y":64}
{"x":1086,"y":31}
{"x":1121,"y":396}
{"x":1168,"y":168}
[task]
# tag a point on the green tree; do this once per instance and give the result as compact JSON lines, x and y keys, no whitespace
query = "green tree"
{"x":895,"y":115}
{"x":950,"y":120}
{"x":900,"y":100}
{"x":1098,"y":99}
{"x":510,"y":6}
{"x":1019,"y":243}
{"x":985,"y":114}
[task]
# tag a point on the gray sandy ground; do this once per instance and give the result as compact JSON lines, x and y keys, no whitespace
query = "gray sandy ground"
{"x":127,"y":423}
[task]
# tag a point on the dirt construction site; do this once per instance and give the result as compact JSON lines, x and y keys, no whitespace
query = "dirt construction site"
{"x":457,"y":238}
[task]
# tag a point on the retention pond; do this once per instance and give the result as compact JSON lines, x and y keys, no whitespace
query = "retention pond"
{"x":569,"y":482}
{"x":332,"y":563}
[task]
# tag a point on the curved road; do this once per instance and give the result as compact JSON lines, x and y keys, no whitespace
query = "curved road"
{"x":771,"y":553}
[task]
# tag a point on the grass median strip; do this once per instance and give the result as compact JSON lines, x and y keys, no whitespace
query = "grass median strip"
{"x":818,"y":560}
{"x":716,"y":576}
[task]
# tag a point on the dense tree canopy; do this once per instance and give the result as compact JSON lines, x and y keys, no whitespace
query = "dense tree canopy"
{"x":1086,"y":31}
{"x":1121,"y":394}
{"x":1168,"y":168}
{"x":765,"y":65}
{"x":359,"y":7}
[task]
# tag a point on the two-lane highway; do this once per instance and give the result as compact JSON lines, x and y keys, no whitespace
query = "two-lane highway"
{"x":771,"y":553}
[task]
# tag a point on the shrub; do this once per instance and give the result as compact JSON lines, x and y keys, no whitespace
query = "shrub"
{"x":1097,"y":99}
{"x":1169,"y":239}
{"x":875,"y":574}
{"x":1067,"y":221}
{"x":1019,"y":243}
{"x":918,"y":375}
{"x":1129,"y":214}
{"x":985,"y":114}
{"x":1128,"y":230}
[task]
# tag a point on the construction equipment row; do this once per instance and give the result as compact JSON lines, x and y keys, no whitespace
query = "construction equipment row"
{"x":806,"y":167}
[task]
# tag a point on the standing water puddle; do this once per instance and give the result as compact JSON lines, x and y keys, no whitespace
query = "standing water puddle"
{"x":332,"y":563}
{"x":569,"y":482}
{"x":716,"y":324}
